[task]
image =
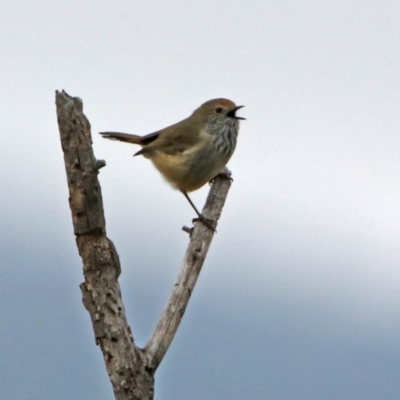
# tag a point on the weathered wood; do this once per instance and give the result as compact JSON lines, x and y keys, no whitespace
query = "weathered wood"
{"x":200,"y":240}
{"x":130,"y":378}
{"x":131,"y":369}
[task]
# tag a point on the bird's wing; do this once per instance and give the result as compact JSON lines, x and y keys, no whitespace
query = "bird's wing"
{"x":151,"y":137}
{"x":171,"y":140}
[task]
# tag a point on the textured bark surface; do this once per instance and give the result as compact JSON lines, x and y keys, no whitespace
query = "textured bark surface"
{"x":131,"y":369}
{"x":200,"y":240}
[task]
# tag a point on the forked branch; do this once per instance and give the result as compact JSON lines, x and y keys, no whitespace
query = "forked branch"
{"x":131,"y":369}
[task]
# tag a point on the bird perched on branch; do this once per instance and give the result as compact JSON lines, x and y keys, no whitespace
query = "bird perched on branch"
{"x":193,"y":151}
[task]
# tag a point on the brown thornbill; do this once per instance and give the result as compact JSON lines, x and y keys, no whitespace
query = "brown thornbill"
{"x":193,"y":151}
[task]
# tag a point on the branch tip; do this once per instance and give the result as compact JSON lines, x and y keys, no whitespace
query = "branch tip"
{"x":187,"y":229}
{"x":100,"y":164}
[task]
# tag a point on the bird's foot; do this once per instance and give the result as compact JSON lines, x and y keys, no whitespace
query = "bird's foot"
{"x":209,"y":223}
{"x":224,"y":174}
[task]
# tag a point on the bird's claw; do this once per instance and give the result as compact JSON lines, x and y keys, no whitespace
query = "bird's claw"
{"x":209,"y":223}
{"x":225,"y":175}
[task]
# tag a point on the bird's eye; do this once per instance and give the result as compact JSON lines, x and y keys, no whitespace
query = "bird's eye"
{"x":218,"y":110}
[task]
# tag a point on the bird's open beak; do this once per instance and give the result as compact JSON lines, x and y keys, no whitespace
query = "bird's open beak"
{"x":232,"y":113}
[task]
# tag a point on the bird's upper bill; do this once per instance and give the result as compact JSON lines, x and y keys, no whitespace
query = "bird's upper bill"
{"x":232,"y":113}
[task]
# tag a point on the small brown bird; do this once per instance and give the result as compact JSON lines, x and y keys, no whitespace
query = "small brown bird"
{"x":194,"y":151}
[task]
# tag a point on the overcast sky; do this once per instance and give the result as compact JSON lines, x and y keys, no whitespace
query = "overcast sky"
{"x":299,"y":297}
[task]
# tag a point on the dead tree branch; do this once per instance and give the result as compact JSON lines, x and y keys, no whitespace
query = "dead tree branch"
{"x":200,"y":241}
{"x":131,"y":369}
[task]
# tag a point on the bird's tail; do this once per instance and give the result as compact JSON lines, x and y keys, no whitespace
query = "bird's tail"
{"x":123,"y":137}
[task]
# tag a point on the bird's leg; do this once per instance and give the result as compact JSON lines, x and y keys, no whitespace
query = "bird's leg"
{"x":207,"y":222}
{"x":191,"y":203}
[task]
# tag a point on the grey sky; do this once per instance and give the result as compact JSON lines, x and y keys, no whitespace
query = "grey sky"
{"x":299,"y":296}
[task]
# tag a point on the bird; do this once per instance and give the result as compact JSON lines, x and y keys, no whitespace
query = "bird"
{"x":193,"y":151}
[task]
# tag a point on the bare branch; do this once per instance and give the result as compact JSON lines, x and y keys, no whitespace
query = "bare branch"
{"x":200,"y":241}
{"x":131,"y":370}
{"x":129,"y":376}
